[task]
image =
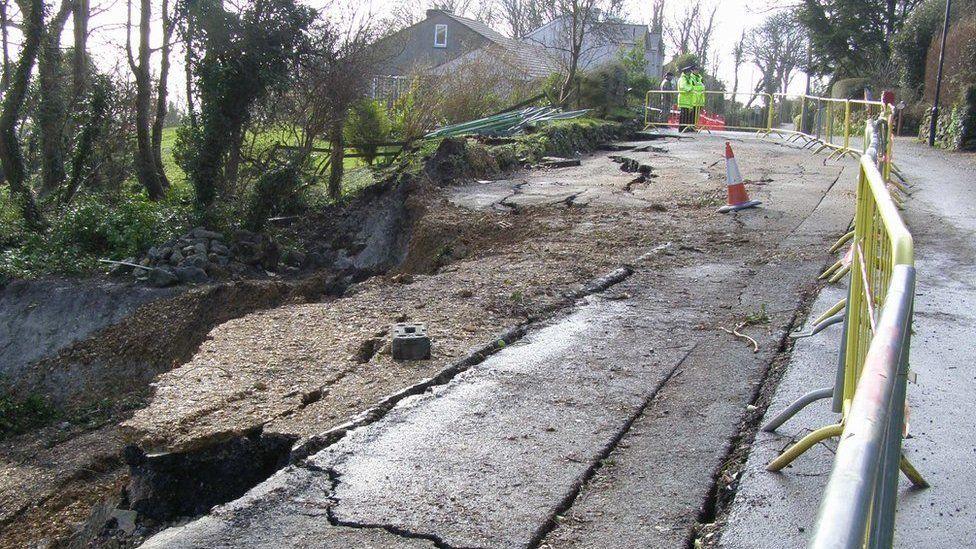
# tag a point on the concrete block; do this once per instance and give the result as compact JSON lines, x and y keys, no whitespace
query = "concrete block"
{"x":410,"y":341}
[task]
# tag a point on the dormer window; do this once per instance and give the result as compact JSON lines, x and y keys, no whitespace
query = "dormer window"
{"x":440,"y":36}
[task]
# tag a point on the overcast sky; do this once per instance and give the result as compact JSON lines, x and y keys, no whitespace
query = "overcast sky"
{"x":733,"y":16}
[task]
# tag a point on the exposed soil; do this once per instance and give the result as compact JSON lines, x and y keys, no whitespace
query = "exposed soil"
{"x":225,"y":361}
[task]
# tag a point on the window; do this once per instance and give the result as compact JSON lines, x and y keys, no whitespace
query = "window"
{"x":440,"y":36}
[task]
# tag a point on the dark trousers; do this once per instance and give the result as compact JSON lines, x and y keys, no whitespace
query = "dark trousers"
{"x":687,"y":119}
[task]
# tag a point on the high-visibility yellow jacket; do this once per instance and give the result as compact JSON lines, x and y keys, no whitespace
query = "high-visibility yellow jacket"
{"x":686,"y":90}
{"x":699,"y":90}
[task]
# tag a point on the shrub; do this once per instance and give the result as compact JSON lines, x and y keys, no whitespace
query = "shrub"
{"x":414,"y":111}
{"x":634,"y":63}
{"x":912,"y":42}
{"x":275,"y":192}
{"x":94,"y":226}
{"x":959,"y":70}
{"x":480,"y":86}
{"x":21,"y":414}
{"x":850,"y":88}
{"x":605,"y":89}
{"x":368,"y":122}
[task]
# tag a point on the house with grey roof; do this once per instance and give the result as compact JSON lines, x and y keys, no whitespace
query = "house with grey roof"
{"x":444,"y":42}
{"x":602,"y":43}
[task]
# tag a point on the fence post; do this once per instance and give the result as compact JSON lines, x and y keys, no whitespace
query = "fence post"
{"x":803,"y":115}
{"x":847,"y":124}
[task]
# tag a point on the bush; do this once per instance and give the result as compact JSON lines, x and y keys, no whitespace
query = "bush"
{"x":634,"y":63}
{"x":21,"y":414}
{"x":368,"y":122}
{"x":94,"y":226}
{"x":480,"y":86}
{"x":604,"y":90}
{"x":959,"y":70}
{"x":679,"y":61}
{"x":850,"y":88}
{"x":912,"y":42}
{"x":414,"y":111}
{"x":274,"y":193}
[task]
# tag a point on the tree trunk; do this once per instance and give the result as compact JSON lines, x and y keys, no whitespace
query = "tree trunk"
{"x":567,"y":87}
{"x":188,"y":67}
{"x":51,"y":112}
{"x":337,"y":146}
{"x":145,"y":162}
{"x":86,"y":142}
{"x":11,"y":159}
{"x":232,"y":167}
{"x":5,"y":77}
{"x":79,"y":61}
{"x":157,"y":127}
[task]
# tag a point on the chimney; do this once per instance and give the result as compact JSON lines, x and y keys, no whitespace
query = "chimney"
{"x":433,"y":12}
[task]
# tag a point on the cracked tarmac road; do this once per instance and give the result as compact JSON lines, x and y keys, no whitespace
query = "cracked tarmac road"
{"x":603,"y":427}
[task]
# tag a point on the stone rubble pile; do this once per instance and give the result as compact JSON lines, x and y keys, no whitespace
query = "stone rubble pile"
{"x":203,"y":255}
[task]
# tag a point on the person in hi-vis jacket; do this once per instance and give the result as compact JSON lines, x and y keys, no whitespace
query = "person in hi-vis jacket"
{"x":691,"y":96}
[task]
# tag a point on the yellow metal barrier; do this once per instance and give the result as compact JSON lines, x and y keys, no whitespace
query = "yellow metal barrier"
{"x":722,"y":111}
{"x":879,"y":242}
{"x":825,"y":122}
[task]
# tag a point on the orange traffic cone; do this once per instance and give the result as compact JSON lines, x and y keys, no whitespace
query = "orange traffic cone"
{"x":738,"y":199}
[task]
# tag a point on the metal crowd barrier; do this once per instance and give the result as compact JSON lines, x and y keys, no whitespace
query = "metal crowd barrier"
{"x":869,"y":392}
{"x":879,"y":242}
{"x":740,"y":111}
{"x":858,"y":505}
{"x":825,"y":123}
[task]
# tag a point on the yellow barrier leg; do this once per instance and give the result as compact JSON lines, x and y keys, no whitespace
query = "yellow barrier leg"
{"x":841,"y":241}
{"x":829,"y":270}
{"x":803,"y":445}
{"x":836,"y":154}
{"x":897,"y":172}
{"x":839,"y":274}
{"x":836,"y":308}
{"x":900,"y":186}
{"x":912,"y":473}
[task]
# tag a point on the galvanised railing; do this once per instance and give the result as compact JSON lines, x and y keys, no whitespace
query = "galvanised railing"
{"x":858,"y":505}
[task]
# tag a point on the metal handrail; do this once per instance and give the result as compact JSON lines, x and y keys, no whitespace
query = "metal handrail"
{"x":858,"y":506}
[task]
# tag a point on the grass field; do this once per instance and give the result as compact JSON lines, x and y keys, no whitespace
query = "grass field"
{"x":175,"y":174}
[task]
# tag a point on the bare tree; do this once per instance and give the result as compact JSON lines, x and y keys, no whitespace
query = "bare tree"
{"x":738,"y":55}
{"x":691,"y":30}
{"x":679,"y":30}
{"x":11,"y":157}
{"x":776,"y":48}
{"x":331,"y":80}
{"x":146,"y":169}
{"x":579,"y":28}
{"x":657,"y":17}
{"x":524,"y":16}
{"x":701,"y":35}
{"x":408,"y":12}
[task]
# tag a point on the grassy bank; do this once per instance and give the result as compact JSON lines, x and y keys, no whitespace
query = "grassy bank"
{"x":122,"y":223}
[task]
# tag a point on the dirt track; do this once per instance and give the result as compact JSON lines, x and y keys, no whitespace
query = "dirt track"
{"x":484,"y":257}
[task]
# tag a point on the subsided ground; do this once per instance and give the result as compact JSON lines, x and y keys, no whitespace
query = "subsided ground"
{"x":604,"y":425}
